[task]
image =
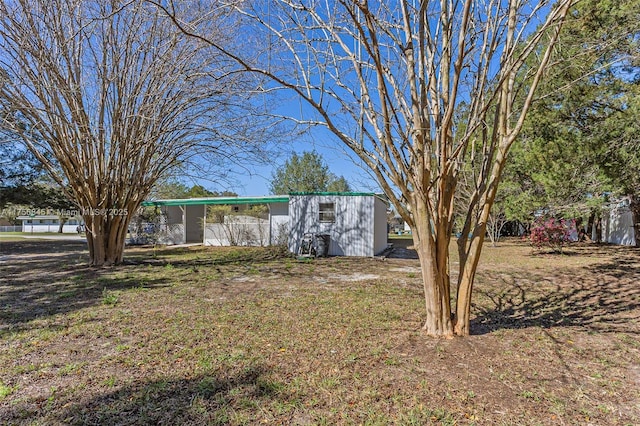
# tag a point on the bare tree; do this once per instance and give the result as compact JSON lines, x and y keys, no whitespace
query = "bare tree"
{"x":390,"y":80}
{"x":110,"y":97}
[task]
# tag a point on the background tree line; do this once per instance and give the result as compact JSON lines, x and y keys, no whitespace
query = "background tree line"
{"x":580,"y":147}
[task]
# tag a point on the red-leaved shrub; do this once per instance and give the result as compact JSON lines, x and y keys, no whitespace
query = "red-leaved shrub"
{"x":550,"y":232}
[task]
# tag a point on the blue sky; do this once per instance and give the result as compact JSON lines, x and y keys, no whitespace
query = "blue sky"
{"x":256,"y":181}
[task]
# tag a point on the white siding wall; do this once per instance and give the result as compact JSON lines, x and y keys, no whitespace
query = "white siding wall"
{"x":617,"y":227}
{"x":299,"y":207}
{"x":352,"y":233}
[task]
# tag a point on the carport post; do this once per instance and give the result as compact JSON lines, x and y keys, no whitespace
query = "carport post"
{"x":269,"y":209}
{"x":184,"y":223}
{"x":204,"y":226}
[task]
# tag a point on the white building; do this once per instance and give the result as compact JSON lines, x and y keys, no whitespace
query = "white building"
{"x":49,"y":223}
{"x":617,"y":224}
{"x":191,"y":220}
{"x":355,"y":223}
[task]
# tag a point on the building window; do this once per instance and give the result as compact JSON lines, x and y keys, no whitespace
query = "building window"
{"x":327,"y":212}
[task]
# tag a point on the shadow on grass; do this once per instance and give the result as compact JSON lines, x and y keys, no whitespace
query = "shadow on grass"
{"x":36,"y":247}
{"x":602,"y":298}
{"x":203,"y":399}
{"x":402,"y":249}
{"x":206,"y":256}
{"x":35,"y":289}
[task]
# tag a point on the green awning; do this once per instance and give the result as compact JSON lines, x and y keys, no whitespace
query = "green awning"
{"x":381,"y":197}
{"x":219,"y":201}
{"x":348,"y":194}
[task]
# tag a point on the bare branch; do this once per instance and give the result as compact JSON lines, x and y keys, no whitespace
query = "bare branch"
{"x":111,"y":96}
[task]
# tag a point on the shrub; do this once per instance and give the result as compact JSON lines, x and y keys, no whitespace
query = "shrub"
{"x":550,"y":232}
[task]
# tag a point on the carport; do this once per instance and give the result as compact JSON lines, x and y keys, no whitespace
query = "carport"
{"x":185,"y":220}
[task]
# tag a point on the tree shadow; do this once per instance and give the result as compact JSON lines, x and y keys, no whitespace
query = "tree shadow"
{"x":48,"y":282}
{"x":206,"y":257}
{"x":602,"y":298}
{"x":203,"y":399}
{"x":402,"y":249}
{"x":32,"y":247}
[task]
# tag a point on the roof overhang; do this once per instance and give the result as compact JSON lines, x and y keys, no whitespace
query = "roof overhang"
{"x":219,"y":201}
{"x":381,"y":197}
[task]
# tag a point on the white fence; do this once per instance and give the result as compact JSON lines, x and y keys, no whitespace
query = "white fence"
{"x":49,"y":228}
{"x":238,"y":231}
{"x":16,"y":228}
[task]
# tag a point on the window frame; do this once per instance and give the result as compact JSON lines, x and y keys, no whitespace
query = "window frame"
{"x":327,"y":212}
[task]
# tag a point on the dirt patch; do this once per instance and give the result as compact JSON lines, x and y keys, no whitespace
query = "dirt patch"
{"x":248,"y":336}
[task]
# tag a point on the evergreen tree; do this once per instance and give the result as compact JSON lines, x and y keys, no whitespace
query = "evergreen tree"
{"x":580,"y":139}
{"x":306,"y":173}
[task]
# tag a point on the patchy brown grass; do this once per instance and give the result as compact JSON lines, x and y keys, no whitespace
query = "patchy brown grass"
{"x":248,"y":336}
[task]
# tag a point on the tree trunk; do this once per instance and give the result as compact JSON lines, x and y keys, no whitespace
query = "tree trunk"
{"x":106,"y":237}
{"x":435,"y":277}
{"x":470,"y":255}
{"x":634,"y":206}
{"x":465,"y":285}
{"x":494,"y":227}
{"x":597,"y":228}
{"x":63,"y":220}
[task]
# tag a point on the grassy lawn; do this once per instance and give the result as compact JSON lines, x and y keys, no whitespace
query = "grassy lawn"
{"x":15,"y":236}
{"x":405,"y":236}
{"x":21,"y":236}
{"x":37,"y":234}
{"x":252,"y":336}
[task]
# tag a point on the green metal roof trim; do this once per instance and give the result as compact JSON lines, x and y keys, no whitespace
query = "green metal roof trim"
{"x":219,"y":201}
{"x":347,"y":194}
{"x":350,"y":194}
{"x":250,"y":200}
